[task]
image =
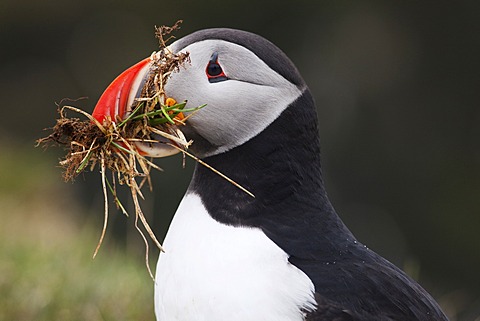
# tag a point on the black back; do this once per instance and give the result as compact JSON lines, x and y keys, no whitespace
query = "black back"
{"x":281,"y":166}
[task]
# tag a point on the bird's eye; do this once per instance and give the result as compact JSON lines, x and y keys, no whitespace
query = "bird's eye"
{"x":214,"y":70}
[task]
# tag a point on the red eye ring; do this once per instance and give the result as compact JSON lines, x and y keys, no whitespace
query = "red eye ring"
{"x":214,"y":71}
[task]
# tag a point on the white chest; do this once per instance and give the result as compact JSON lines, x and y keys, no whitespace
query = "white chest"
{"x":215,"y":272}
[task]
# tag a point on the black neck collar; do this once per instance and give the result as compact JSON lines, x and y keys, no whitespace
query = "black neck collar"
{"x":281,"y":166}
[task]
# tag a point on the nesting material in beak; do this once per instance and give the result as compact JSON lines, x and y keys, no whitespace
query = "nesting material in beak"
{"x":132,"y":120}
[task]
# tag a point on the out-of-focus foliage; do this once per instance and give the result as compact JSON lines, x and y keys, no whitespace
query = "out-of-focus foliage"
{"x":46,"y":266}
{"x":396,"y":84}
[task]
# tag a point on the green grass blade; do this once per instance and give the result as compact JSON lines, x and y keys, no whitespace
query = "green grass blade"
{"x":122,"y":148}
{"x":84,"y":162}
{"x":167,"y":116}
{"x":157,"y":121}
{"x":189,"y":110}
{"x":132,"y":114}
{"x":116,"y":199}
{"x":176,"y":106}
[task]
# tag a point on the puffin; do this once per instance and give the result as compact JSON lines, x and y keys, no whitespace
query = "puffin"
{"x":284,"y":254}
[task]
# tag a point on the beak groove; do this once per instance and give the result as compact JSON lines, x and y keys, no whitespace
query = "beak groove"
{"x":114,"y":101}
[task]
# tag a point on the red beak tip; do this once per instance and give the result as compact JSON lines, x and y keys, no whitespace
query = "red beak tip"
{"x":113,"y":101}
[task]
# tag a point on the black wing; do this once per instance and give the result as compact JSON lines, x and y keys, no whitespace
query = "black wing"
{"x":363,"y":286}
{"x":329,"y":311}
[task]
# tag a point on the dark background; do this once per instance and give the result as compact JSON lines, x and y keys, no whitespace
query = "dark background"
{"x":397,"y":90}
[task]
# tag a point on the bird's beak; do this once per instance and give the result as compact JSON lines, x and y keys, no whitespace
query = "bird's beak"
{"x":117,"y":100}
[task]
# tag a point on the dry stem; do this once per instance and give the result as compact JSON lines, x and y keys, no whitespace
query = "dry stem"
{"x":112,"y":144}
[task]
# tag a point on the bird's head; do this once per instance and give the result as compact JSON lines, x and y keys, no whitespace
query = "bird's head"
{"x":245,"y":80}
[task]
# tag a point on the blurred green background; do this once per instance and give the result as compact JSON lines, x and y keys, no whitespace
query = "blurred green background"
{"x":397,"y":90}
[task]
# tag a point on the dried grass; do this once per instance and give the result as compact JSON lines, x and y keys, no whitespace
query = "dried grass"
{"x":111,"y":144}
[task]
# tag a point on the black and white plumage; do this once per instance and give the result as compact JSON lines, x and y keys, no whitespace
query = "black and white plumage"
{"x":285,"y":254}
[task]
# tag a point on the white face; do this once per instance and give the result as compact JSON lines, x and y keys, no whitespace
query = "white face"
{"x":238,"y":108}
